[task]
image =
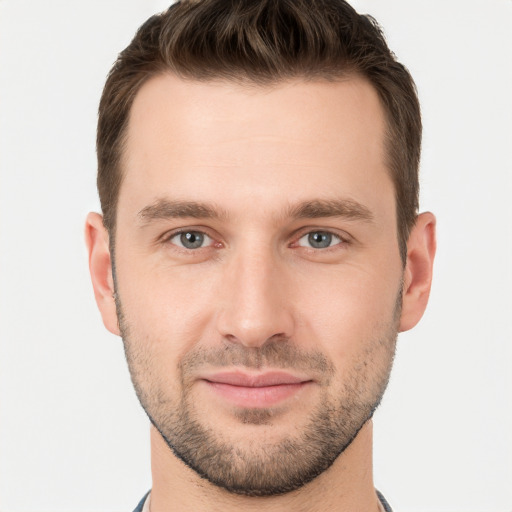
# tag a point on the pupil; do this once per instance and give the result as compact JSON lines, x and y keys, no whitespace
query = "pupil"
{"x":320,"y":240}
{"x":192,"y":240}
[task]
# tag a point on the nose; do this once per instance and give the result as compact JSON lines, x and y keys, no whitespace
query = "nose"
{"x":255,"y":302}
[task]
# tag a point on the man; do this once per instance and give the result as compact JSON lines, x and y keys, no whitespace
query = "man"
{"x":260,"y":247}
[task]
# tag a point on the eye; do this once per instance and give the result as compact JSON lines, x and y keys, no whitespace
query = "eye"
{"x":190,"y":239}
{"x":319,"y":240}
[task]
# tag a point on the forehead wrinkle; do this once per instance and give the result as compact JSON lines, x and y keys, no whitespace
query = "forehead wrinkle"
{"x":171,"y":209}
{"x":318,"y":208}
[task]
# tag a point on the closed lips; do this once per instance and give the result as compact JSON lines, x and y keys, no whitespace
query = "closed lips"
{"x":255,"y":380}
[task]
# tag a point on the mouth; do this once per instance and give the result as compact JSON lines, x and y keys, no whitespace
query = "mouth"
{"x":256,"y":390}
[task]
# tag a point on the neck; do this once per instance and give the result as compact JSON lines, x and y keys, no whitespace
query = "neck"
{"x":346,"y":486}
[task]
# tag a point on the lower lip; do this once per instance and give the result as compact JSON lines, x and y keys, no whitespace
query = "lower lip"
{"x":256,"y":397}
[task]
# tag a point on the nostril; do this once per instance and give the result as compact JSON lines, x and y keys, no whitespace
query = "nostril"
{"x":231,"y":338}
{"x":253,"y":315}
{"x":256,"y":340}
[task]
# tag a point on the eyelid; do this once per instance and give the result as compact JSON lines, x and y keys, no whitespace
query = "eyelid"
{"x":206,"y":239}
{"x":344,"y":237}
{"x":165,"y":238}
{"x":169,"y":235}
{"x":333,"y":235}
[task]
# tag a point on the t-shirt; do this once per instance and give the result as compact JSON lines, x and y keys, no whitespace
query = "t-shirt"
{"x":140,"y":506}
{"x":385,"y":504}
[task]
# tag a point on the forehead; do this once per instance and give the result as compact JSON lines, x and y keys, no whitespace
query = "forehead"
{"x":185,"y":137}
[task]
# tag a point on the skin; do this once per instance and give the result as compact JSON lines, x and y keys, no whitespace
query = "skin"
{"x":253,"y":155}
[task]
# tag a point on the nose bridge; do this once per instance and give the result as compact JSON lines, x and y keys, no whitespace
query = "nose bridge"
{"x":254,"y":306}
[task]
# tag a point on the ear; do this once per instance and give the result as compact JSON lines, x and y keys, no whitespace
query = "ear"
{"x":100,"y":267}
{"x":421,"y":249}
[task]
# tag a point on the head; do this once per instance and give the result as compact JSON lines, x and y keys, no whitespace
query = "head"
{"x":258,"y":179}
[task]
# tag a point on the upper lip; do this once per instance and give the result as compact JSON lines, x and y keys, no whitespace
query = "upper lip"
{"x":255,"y":380}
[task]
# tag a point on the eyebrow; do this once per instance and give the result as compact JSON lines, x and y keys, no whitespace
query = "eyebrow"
{"x":318,"y":208}
{"x":167,"y":209}
{"x":314,"y":209}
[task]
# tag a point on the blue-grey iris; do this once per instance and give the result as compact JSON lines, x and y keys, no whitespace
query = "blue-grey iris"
{"x":192,"y":239}
{"x":320,"y":239}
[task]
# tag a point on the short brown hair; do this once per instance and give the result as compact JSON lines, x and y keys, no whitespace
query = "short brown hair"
{"x":264,"y":42}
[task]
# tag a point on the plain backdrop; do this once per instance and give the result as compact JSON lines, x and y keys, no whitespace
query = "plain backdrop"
{"x":72,"y":435}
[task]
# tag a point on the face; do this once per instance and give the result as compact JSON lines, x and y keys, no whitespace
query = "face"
{"x":258,"y":276}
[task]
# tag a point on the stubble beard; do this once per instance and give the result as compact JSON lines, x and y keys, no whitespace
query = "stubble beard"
{"x":259,"y":467}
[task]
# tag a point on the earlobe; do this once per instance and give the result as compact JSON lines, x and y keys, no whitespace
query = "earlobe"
{"x":421,"y":249}
{"x":100,"y":267}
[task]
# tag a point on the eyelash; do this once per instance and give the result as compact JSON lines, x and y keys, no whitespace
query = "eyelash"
{"x":342,"y":240}
{"x":332,"y":237}
{"x":170,"y":236}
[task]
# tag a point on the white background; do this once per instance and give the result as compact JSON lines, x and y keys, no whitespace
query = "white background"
{"x":72,"y":435}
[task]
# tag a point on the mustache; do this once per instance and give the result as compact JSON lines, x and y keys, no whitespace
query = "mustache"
{"x":274,"y":353}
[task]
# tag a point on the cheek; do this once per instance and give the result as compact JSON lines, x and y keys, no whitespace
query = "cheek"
{"x":355,"y":326}
{"x":168,"y":308}
{"x":348,"y":310}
